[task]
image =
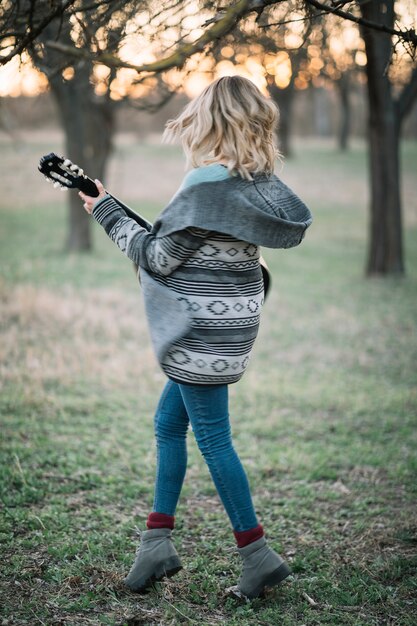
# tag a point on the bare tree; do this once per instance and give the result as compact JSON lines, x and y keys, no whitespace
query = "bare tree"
{"x":88,"y":119}
{"x":387,"y":112}
{"x":340,"y":70}
{"x":88,"y":116}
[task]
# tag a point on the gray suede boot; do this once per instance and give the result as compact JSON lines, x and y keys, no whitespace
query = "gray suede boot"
{"x":156,"y":557}
{"x":262,"y":567}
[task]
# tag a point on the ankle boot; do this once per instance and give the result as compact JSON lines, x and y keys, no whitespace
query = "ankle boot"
{"x":156,"y":557}
{"x":262,"y":567}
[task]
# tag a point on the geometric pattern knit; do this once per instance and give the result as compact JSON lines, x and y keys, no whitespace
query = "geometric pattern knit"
{"x":217,"y":280}
{"x":221,"y":288}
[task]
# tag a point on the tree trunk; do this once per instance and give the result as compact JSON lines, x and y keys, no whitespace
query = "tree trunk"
{"x":89,"y":125}
{"x":343,"y":85}
{"x":284,"y":98}
{"x":385,"y":254}
{"x":8,"y":123}
{"x":385,"y":251}
{"x":321,"y":109}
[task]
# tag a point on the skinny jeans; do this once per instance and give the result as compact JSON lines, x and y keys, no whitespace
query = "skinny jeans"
{"x":206,"y":409}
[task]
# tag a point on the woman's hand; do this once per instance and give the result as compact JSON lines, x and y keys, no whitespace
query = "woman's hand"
{"x":89,"y":201}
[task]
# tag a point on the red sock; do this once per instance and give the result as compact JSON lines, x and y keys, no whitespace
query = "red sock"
{"x":160,"y":520}
{"x":245,"y":537}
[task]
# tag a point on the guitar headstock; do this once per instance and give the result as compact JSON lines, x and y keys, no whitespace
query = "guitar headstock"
{"x":65,"y":174}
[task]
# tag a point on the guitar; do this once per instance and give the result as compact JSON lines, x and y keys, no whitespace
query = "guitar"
{"x":66,"y":175}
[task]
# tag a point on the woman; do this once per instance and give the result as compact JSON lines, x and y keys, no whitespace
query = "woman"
{"x":203,"y":289}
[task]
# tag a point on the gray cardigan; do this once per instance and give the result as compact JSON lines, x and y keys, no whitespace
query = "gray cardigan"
{"x":199,"y":267}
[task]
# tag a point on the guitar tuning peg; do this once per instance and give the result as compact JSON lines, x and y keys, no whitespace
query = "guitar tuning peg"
{"x":67,"y":162}
{"x":62,"y":187}
{"x":48,"y":180}
{"x":80,"y":172}
{"x":56,"y":185}
{"x":74,"y":167}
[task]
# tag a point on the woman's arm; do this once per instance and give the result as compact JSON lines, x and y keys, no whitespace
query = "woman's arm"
{"x":159,"y":255}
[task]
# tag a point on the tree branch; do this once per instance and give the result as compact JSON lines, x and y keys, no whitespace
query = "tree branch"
{"x":407,"y":36}
{"x":34,"y":32}
{"x":215,"y":28}
{"x":223,"y":24}
{"x":110,"y":60}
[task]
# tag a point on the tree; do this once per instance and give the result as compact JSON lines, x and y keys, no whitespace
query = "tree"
{"x":338,"y":52}
{"x":87,"y":119}
{"x":85,"y":104}
{"x":82,"y":90}
{"x":387,"y":112}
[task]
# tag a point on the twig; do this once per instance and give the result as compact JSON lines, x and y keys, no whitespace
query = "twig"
{"x":178,"y":611}
{"x":329,"y":607}
{"x":40,"y":521}
{"x":20,"y":470}
{"x":37,"y":617}
{"x":309,"y":599}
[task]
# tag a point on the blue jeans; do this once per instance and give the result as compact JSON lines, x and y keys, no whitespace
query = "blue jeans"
{"x":206,"y":409}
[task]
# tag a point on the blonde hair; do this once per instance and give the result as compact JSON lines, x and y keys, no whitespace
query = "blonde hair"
{"x":231,"y":122}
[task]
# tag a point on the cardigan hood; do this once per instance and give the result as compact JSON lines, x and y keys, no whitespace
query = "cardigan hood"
{"x":263,"y":211}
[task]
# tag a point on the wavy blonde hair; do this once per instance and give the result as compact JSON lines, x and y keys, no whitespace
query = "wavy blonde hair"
{"x":230,"y":122}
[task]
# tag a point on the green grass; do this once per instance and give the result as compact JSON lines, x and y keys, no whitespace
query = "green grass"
{"x":324,"y":420}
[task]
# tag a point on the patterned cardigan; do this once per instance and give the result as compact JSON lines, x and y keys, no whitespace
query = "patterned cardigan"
{"x":201,"y":277}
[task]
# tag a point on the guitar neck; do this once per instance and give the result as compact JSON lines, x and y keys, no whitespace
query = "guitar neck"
{"x":88,"y":186}
{"x":132,"y":214}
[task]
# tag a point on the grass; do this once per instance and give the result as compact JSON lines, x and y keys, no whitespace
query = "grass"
{"x":324,"y":420}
